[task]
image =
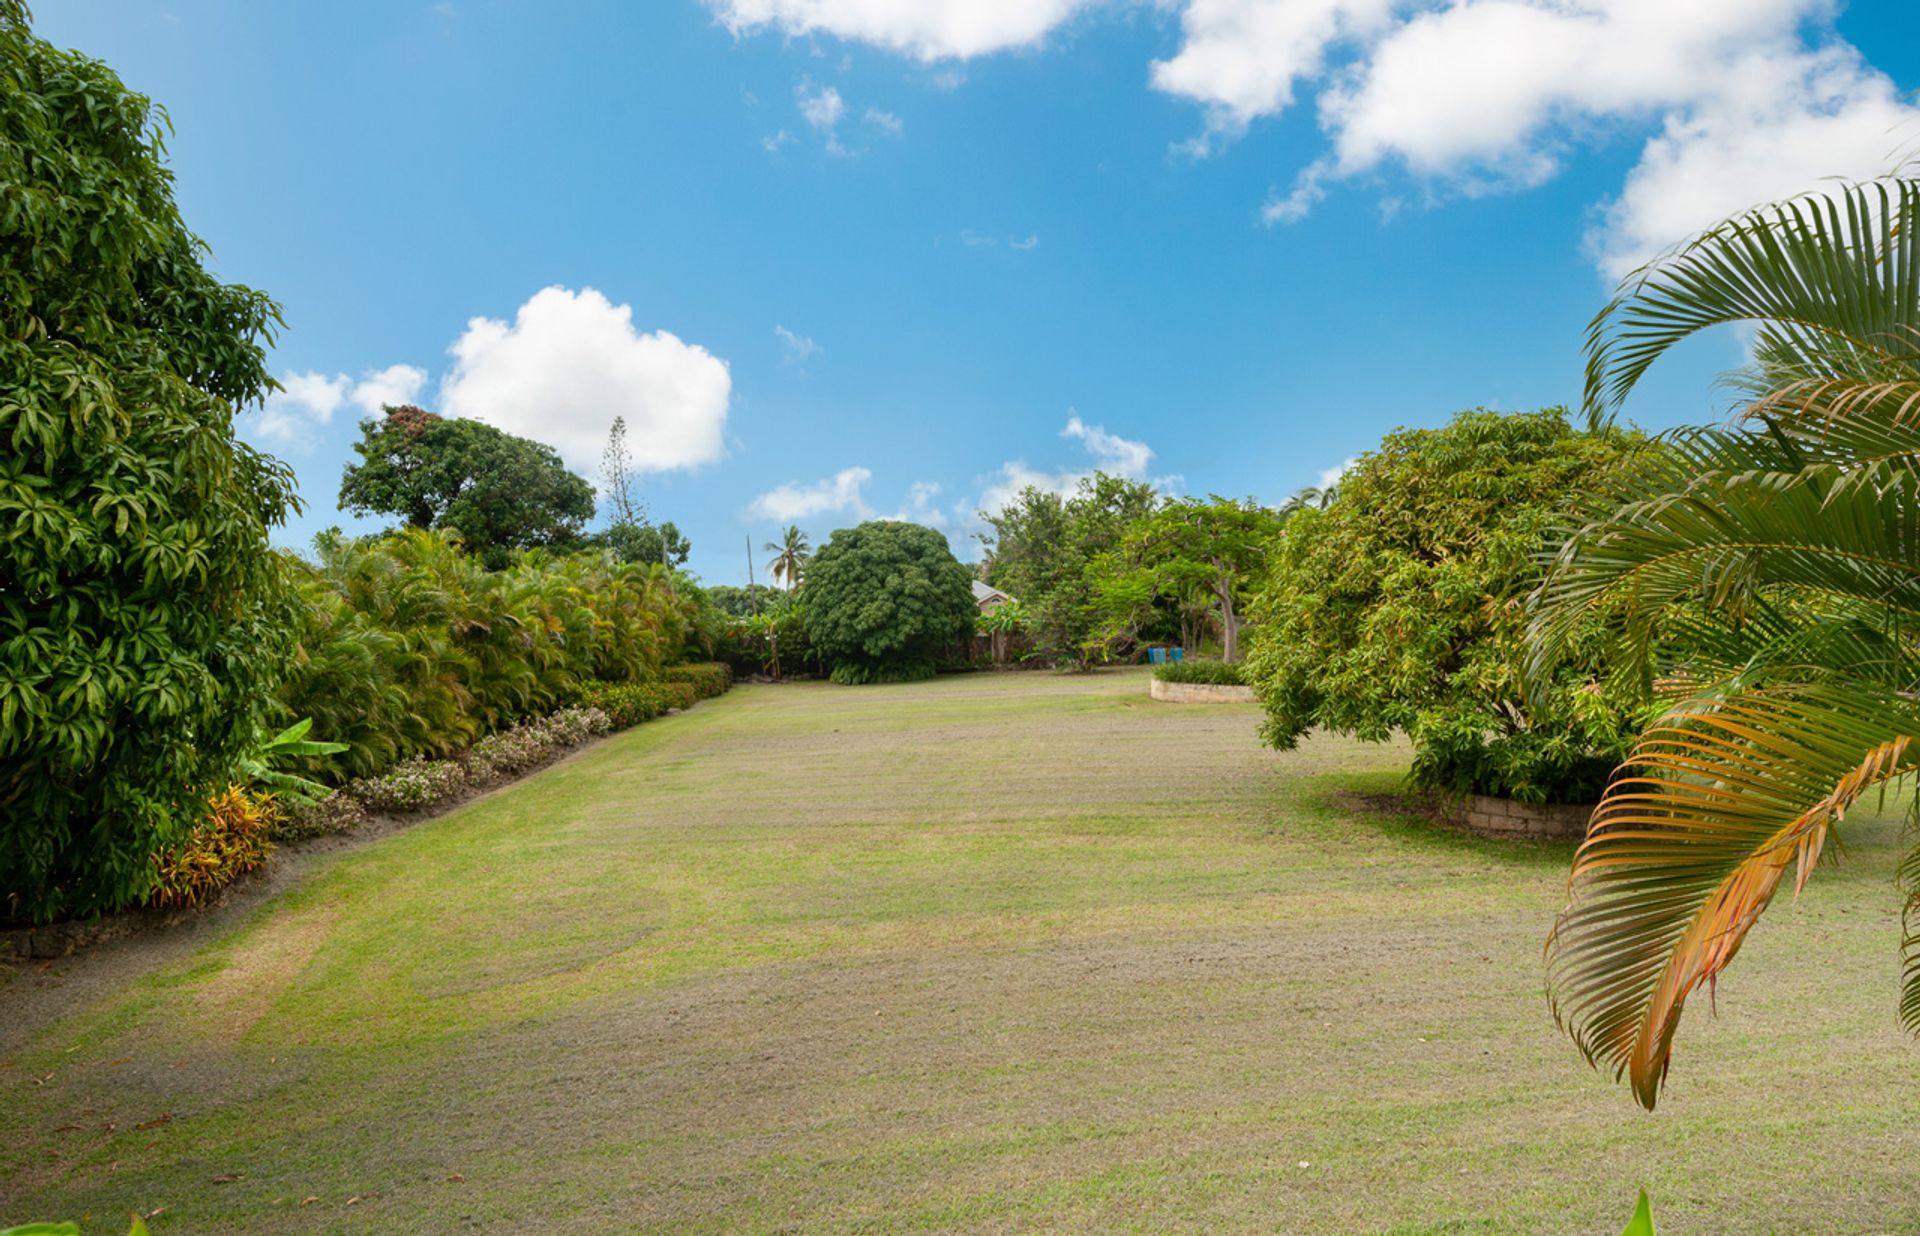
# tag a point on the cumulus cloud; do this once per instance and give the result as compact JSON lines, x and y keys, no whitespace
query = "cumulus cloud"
{"x":1110,"y":453}
{"x":570,"y":362}
{"x":840,"y":492}
{"x":1744,"y":100}
{"x":307,"y":401}
{"x":924,"y":29}
{"x":1330,"y":477}
{"x":886,"y":122}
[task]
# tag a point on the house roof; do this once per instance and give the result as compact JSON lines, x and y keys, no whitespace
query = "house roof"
{"x":986,"y":592}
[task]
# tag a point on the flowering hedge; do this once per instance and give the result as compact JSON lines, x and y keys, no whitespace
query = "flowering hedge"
{"x":418,"y":784}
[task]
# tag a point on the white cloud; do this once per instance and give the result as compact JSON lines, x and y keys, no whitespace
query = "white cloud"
{"x":396,"y":384}
{"x":1832,"y":117}
{"x":1111,"y":454}
{"x":572,"y":361}
{"x":840,"y":492}
{"x":925,"y":29}
{"x":797,"y":347}
{"x":1492,"y":95}
{"x":308,"y":401}
{"x":820,"y":108}
{"x":1032,"y":241}
{"x":886,"y":122}
{"x":1241,"y":58}
{"x":1330,"y":477}
{"x":772,"y":142}
{"x":1745,"y":100}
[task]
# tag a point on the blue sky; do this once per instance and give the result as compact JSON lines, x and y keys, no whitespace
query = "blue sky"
{"x":833,"y":258}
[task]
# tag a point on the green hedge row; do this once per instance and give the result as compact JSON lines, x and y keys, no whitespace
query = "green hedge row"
{"x":1213,"y":673}
{"x":707,"y":678}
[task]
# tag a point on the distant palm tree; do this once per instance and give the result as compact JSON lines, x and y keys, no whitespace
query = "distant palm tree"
{"x":1313,"y":497}
{"x":789,"y":557}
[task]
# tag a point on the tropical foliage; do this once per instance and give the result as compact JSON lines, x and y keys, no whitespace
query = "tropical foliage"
{"x":143,"y":618}
{"x":234,"y":838}
{"x":884,"y":600}
{"x":1203,"y":670}
{"x":411,"y":648}
{"x":1767,"y":576}
{"x":499,"y":492}
{"x":1041,"y":549}
{"x":789,"y":557}
{"x":1400,"y":607}
{"x":1198,"y":558}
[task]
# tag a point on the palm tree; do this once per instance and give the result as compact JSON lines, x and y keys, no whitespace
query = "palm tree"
{"x":1766,"y":577}
{"x":1311,"y":498}
{"x":789,"y":557}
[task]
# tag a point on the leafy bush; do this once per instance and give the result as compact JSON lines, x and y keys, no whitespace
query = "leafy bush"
{"x":419,"y":783}
{"x":1401,"y":606}
{"x":338,"y":812}
{"x":627,"y":704}
{"x":235,"y":838}
{"x":1201,"y":670}
{"x":883,"y":600}
{"x":414,"y":785}
{"x":708,"y":678}
{"x":143,"y":617}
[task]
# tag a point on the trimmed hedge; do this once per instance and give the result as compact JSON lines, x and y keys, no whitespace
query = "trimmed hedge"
{"x":1212,"y":673}
{"x":708,"y":678}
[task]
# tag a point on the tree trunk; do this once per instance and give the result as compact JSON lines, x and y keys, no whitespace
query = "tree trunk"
{"x":1229,"y":621}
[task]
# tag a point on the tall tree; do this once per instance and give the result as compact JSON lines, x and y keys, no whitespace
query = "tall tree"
{"x":1400,"y":608}
{"x":1041,"y":546}
{"x":1767,"y":575}
{"x":499,"y":492}
{"x":1189,"y":548}
{"x":143,"y":617}
{"x":616,"y":472}
{"x":789,"y":557}
{"x":629,"y":533}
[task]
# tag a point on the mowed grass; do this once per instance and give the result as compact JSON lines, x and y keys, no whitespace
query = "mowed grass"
{"x":986,"y":953}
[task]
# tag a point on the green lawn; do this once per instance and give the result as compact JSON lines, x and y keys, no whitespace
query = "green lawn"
{"x":986,"y":953}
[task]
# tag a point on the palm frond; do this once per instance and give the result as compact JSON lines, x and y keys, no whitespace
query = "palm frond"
{"x":1720,"y":800}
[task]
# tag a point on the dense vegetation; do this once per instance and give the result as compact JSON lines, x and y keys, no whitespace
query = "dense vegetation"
{"x":1400,"y":607}
{"x":1203,"y":670}
{"x":142,"y":618}
{"x":1042,"y":549}
{"x":1767,"y":574}
{"x":884,"y":600}
{"x":411,"y":647}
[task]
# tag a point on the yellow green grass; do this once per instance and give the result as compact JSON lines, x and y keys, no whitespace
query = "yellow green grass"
{"x":985,"y":953}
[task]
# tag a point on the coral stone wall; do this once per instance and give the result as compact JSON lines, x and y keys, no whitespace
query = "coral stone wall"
{"x":1201,"y":693}
{"x":1503,"y":817}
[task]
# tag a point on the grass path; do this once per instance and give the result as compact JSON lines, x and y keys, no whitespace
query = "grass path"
{"x":987,"y":953}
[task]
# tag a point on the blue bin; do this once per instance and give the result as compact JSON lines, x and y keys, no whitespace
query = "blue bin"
{"x":1156,"y":656}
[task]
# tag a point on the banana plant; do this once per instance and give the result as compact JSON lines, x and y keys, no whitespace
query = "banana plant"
{"x":1766,"y":576}
{"x":261,"y":765}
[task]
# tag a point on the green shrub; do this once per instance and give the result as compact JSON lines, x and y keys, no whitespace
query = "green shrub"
{"x":143,"y":617}
{"x":708,"y":678}
{"x":1401,"y":607}
{"x":1201,"y":670}
{"x":234,"y":839}
{"x":859,"y":674}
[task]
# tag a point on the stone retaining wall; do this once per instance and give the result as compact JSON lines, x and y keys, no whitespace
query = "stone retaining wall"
{"x":1503,"y":817}
{"x":1200,"y":693}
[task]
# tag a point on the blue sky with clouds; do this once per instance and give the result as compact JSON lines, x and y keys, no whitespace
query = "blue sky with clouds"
{"x":834,"y":258}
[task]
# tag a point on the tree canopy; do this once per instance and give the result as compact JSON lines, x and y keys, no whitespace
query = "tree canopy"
{"x":143,"y":618}
{"x":1040,"y":549}
{"x":1401,"y":606}
{"x":498,"y":491}
{"x":1194,"y":557}
{"x":882,"y":601}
